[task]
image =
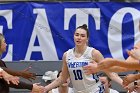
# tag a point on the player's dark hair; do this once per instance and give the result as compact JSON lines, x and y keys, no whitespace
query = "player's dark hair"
{"x":84,"y":26}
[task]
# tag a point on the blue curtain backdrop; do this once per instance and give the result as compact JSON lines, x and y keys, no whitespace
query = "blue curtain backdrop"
{"x":44,"y":30}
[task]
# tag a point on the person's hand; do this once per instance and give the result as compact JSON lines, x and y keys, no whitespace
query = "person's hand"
{"x":106,"y":63}
{"x":91,"y":68}
{"x":9,"y":78}
{"x":135,"y":53}
{"x":130,"y":88}
{"x":137,"y":88}
{"x":27,"y":75}
{"x":37,"y":88}
{"x":128,"y":79}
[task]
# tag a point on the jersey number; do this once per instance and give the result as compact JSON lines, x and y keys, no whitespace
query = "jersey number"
{"x":78,"y":74}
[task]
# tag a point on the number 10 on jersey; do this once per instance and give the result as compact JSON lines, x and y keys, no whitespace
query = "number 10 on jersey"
{"x":78,"y":74}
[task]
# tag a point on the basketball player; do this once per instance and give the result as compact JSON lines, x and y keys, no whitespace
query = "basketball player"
{"x":74,"y":60}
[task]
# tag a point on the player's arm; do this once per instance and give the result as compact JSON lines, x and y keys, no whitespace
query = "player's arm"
{"x":61,"y":79}
{"x":119,"y":65}
{"x":113,"y":76}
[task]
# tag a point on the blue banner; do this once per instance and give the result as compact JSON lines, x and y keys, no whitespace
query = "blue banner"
{"x":44,"y":31}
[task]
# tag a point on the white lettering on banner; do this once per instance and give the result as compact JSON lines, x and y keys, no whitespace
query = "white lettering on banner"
{"x":7,"y":14}
{"x":82,"y":16}
{"x":43,"y":33}
{"x":115,"y":30}
{"x":42,"y":30}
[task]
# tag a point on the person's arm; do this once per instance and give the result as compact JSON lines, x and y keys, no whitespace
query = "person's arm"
{"x":113,"y":76}
{"x":133,"y":86}
{"x":61,"y":79}
{"x":119,"y":65}
{"x":118,"y":69}
{"x":100,"y":64}
{"x":35,"y":88}
{"x":130,"y":78}
{"x":9,"y":78}
{"x":137,"y":76}
{"x":122,"y":66}
{"x":22,"y":85}
{"x":25,"y":73}
{"x":92,"y":68}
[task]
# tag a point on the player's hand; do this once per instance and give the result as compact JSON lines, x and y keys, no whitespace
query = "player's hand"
{"x":37,"y":88}
{"x":91,"y":68}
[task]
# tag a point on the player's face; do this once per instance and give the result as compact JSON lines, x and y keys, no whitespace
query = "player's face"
{"x":105,"y":82}
{"x":3,"y":45}
{"x":80,"y":37}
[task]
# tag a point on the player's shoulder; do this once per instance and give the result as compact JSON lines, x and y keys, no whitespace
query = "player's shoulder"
{"x":67,"y":52}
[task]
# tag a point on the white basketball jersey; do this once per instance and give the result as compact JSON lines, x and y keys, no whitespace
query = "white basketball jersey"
{"x":56,"y":90}
{"x":81,"y":82}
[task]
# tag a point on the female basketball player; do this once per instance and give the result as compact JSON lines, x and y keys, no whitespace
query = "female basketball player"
{"x":74,"y":60}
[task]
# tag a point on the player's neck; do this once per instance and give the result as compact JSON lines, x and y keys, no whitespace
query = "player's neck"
{"x":79,"y":49}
